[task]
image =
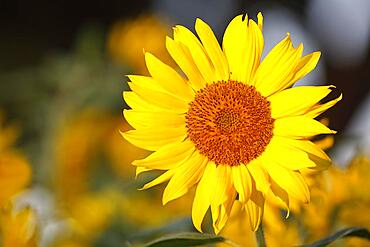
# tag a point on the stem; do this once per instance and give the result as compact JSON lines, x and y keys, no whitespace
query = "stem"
{"x":260,"y":235}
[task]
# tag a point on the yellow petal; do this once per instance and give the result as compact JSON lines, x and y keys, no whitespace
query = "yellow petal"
{"x":168,"y":78}
{"x":260,"y":20}
{"x":259,"y":175}
{"x":243,"y":45}
{"x":297,"y":100}
{"x":182,"y":56}
{"x":300,"y":127}
{"x":254,"y":207}
{"x":315,"y":153}
{"x":291,"y":181}
{"x":287,"y":155}
{"x":204,"y":197}
{"x":276,"y":69}
{"x":213,"y":49}
{"x":318,"y":109}
{"x":137,"y":103}
{"x":221,"y":213}
{"x":280,"y":196}
{"x":325,"y":143}
{"x":222,"y":184}
{"x":140,"y":170}
{"x":145,"y":82}
{"x":187,"y":174}
{"x":159,"y":99}
{"x":154,"y":139}
{"x":148,"y":119}
{"x":242,"y":182}
{"x":167,"y":157}
{"x":222,"y":197}
{"x":186,"y":37}
{"x":201,"y":201}
{"x":161,"y":179}
{"x":305,"y":66}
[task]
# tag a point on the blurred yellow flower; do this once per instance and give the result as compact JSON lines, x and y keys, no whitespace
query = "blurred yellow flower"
{"x":91,"y":213}
{"x":15,"y":171}
{"x":235,"y":127}
{"x":279,"y":231}
{"x":339,"y":199}
{"x":147,"y":211}
{"x":238,"y":228}
{"x":15,"y":175}
{"x":19,"y":228}
{"x":82,"y":140}
{"x":128,"y":39}
{"x":77,"y":144}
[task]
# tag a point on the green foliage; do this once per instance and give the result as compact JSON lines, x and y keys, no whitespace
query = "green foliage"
{"x":348,"y":232}
{"x":185,"y":239}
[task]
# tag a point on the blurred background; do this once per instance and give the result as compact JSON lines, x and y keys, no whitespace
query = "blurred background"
{"x":62,"y":73}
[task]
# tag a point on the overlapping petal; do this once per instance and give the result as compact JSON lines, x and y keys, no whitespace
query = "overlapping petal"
{"x":242,"y":182}
{"x":296,"y":101}
{"x":168,"y":78}
{"x":149,"y":119}
{"x":182,"y":56}
{"x":197,"y":51}
{"x":300,"y":127}
{"x":158,"y":99}
{"x":274,"y":73}
{"x":291,"y":181}
{"x":243,"y":45}
{"x":213,"y":49}
{"x":154,"y":139}
{"x":167,"y":157}
{"x":187,"y":175}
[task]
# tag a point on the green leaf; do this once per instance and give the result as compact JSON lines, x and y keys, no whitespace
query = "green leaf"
{"x":348,"y":232}
{"x":185,"y":239}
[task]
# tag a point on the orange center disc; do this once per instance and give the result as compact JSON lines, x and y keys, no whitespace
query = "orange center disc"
{"x":230,"y":122}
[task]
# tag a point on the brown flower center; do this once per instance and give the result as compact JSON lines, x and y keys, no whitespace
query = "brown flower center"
{"x":230,"y":122}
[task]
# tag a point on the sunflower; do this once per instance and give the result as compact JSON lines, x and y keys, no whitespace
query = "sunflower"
{"x":234,"y":127}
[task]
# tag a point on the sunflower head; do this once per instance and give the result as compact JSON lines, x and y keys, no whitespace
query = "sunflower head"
{"x":234,"y":126}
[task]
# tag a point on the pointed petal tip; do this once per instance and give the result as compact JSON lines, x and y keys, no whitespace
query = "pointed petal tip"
{"x":197,"y":225}
{"x":168,"y":40}
{"x":260,"y":20}
{"x":340,"y":97}
{"x":300,"y":46}
{"x":199,"y":21}
{"x":142,"y":188}
{"x":317,"y":53}
{"x":147,"y":55}
{"x":217,"y":231}
{"x":165,"y":199}
{"x":123,"y":134}
{"x":124,"y":112}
